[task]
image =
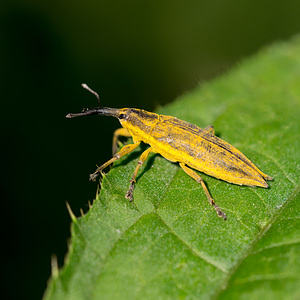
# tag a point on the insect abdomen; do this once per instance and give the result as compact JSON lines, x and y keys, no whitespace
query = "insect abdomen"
{"x":181,"y":141}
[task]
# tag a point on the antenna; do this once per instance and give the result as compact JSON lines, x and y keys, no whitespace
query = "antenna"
{"x":85,"y":86}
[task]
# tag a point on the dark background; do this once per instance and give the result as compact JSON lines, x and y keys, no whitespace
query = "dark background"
{"x":134,"y":54}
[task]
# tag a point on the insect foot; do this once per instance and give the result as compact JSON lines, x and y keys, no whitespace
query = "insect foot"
{"x":94,"y":176}
{"x":129,"y":194}
{"x":220,"y":213}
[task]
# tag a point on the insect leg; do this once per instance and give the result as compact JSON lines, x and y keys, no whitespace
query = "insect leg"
{"x":125,"y":150}
{"x":142,"y":159}
{"x":119,"y":132}
{"x":210,"y":129}
{"x":194,"y":175}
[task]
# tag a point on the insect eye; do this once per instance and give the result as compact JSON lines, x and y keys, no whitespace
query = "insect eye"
{"x":122,"y":116}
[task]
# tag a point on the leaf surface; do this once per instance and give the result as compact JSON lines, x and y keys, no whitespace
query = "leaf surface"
{"x":169,"y":243}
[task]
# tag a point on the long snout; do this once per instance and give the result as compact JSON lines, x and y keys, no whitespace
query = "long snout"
{"x":100,"y":111}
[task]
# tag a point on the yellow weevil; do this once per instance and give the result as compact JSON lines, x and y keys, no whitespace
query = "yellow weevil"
{"x":178,"y":141}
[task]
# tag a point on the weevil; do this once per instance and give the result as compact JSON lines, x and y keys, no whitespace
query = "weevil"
{"x":178,"y":141}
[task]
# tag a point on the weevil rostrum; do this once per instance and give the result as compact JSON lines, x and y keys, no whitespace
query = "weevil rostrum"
{"x":181,"y":142}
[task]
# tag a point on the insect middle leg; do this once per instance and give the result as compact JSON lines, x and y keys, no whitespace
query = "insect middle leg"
{"x":125,"y":150}
{"x":142,"y":159}
{"x":194,"y":175}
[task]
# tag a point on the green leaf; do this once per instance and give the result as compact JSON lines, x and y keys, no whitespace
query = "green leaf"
{"x":169,"y":243}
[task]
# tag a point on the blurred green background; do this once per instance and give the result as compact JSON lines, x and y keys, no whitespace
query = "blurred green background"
{"x":134,"y":54}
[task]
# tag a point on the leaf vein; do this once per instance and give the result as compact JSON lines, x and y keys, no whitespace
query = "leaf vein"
{"x":200,"y":254}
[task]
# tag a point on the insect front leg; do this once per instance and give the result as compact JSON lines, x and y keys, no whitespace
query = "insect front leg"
{"x":125,"y":150}
{"x":119,"y":132}
{"x":194,"y":175}
{"x":143,"y":157}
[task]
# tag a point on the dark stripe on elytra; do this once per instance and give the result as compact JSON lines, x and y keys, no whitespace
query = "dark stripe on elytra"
{"x":196,"y":130}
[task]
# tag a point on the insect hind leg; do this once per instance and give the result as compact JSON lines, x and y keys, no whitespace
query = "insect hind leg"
{"x":210,"y":129}
{"x":199,"y":179}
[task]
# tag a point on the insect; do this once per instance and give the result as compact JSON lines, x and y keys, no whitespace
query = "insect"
{"x":178,"y":141}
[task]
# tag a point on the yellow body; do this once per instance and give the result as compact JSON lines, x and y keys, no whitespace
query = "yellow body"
{"x":182,"y":142}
